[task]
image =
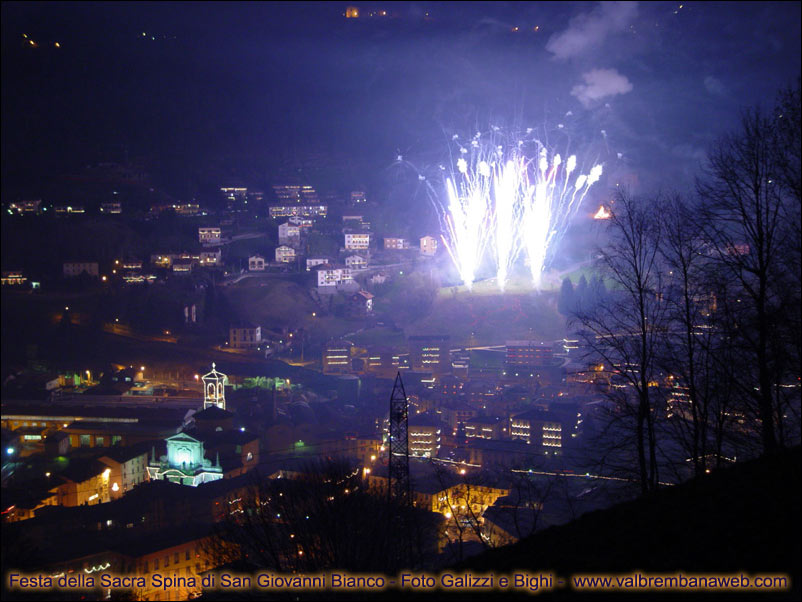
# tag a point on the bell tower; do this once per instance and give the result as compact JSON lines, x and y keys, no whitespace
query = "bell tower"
{"x":214,"y":389}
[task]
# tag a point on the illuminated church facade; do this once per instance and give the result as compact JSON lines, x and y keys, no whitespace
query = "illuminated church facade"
{"x":184,"y":463}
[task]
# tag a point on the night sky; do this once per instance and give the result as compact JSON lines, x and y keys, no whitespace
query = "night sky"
{"x":250,"y":88}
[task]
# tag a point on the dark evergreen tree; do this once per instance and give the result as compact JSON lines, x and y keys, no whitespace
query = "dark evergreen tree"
{"x":581,"y":293}
{"x":565,"y":303}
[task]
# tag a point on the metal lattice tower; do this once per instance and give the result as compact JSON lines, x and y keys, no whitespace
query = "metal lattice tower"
{"x":398,"y":482}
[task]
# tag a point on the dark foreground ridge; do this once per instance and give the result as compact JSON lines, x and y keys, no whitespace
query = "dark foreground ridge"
{"x":743,"y":518}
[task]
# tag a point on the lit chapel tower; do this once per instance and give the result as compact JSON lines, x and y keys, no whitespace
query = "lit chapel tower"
{"x":214,"y":389}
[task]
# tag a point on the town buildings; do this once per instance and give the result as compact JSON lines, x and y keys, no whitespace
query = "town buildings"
{"x":245,"y":336}
{"x":211,"y":235}
{"x":256,"y":263}
{"x":430,"y":353}
{"x":357,"y":241}
{"x":285,"y":254}
{"x":428,"y":246}
{"x":76,"y":268}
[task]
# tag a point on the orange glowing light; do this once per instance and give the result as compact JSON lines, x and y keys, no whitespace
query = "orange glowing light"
{"x":602,"y":213}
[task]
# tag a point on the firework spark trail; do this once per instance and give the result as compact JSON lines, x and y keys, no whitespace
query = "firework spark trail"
{"x":511,"y":204}
{"x":467,"y":221}
{"x":550,"y":208}
{"x":507,"y":215}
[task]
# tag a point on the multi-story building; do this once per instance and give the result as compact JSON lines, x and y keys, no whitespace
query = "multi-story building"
{"x":285,"y":254}
{"x":256,"y":263}
{"x":354,"y":221}
{"x":313,"y":261}
{"x":459,"y":499}
{"x":128,"y":468}
{"x":537,"y":427}
{"x":428,"y":245}
{"x":112,"y":208}
{"x":30,"y":207}
{"x":13,"y":278}
{"x":430,"y":353}
{"x":396,"y":243}
{"x":361,"y":303}
{"x":424,"y":435}
{"x":357,"y":241}
{"x":304,"y":223}
{"x":211,"y":257}
{"x":83,"y":483}
{"x":234,"y":192}
{"x":187,"y":209}
{"x":483,"y":427}
{"x":129,"y":264}
{"x":331,"y":277}
{"x":337,"y":358}
{"x":209,"y":235}
{"x":183,"y":266}
{"x":317,"y":210}
{"x":88,"y":482}
{"x":289,"y":234}
{"x":528,"y":353}
{"x":184,"y":554}
{"x":457,"y":412}
{"x":76,"y":268}
{"x":245,"y":336}
{"x":161,"y":261}
{"x":383,"y":361}
{"x":69,"y":210}
{"x":289,"y":194}
{"x":356,"y":262}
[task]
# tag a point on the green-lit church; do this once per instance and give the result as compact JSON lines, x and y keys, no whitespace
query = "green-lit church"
{"x":185,"y":462}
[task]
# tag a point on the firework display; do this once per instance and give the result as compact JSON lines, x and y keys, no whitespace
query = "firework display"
{"x":510,"y":201}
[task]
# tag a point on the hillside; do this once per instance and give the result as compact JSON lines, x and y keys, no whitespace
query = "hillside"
{"x":745,"y":518}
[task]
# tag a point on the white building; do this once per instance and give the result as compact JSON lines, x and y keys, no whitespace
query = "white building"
{"x":76,"y":268}
{"x":256,"y":263}
{"x":285,"y":254}
{"x":245,"y":336}
{"x":298,"y":210}
{"x":428,"y":245}
{"x":212,"y":257}
{"x":234,"y":192}
{"x":357,"y":241}
{"x":333,"y":276}
{"x":128,"y":468}
{"x":396,"y":243}
{"x":113,"y":208}
{"x":424,"y":438}
{"x":209,"y":236}
{"x":182,"y":265}
{"x":289,"y":234}
{"x":20,"y":207}
{"x":302,"y":222}
{"x":355,"y":262}
{"x":379,"y":278}
{"x":313,"y":261}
